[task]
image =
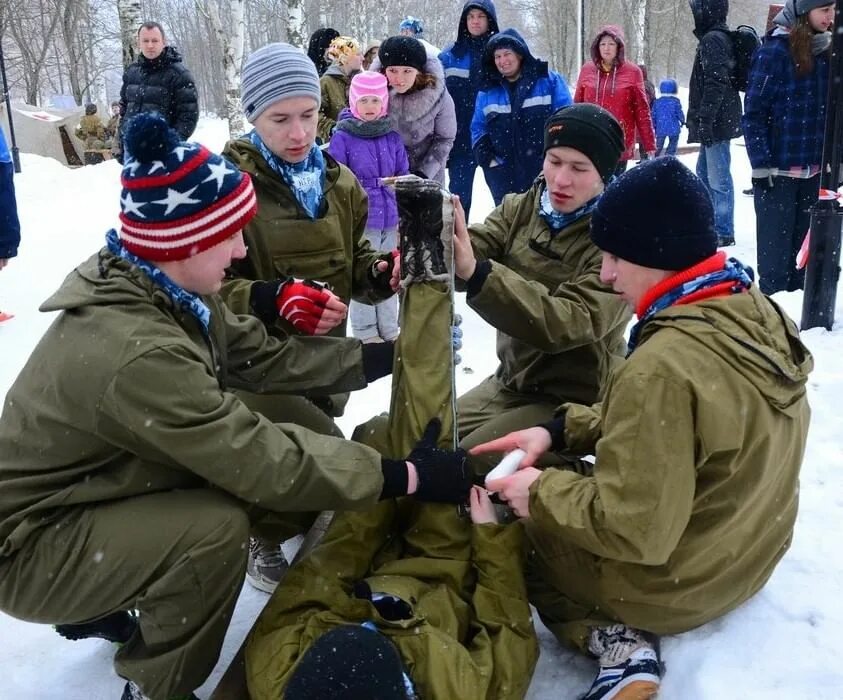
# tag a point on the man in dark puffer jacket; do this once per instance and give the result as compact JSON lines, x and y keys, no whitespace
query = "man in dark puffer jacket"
{"x":158,"y":82}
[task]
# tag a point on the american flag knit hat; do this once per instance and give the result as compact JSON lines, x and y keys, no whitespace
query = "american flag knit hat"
{"x":178,"y":198}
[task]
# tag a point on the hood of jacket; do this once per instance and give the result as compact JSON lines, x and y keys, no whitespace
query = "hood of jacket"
{"x":167,"y":57}
{"x":614,"y":31}
{"x":464,"y":39}
{"x":510,"y":39}
{"x":708,"y":14}
{"x":335,"y":71}
{"x":106,"y":280}
{"x":746,"y":333}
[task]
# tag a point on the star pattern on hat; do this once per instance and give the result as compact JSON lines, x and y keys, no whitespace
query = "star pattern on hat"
{"x":179,"y":151}
{"x":219,"y":171}
{"x":175,"y":199}
{"x":156,"y":165}
{"x":132,"y":207}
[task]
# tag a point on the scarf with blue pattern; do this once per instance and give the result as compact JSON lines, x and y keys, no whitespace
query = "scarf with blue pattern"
{"x":305,"y":179}
{"x":715,"y":276}
{"x":184,"y":300}
{"x":557,"y":220}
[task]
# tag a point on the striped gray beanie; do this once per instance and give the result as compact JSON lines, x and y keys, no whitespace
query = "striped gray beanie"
{"x":275,"y":72}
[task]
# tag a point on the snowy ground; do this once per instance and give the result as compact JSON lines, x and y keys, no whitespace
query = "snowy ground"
{"x":783,"y":644}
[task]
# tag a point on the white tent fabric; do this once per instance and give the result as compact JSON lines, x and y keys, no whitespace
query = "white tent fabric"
{"x":37,"y":129}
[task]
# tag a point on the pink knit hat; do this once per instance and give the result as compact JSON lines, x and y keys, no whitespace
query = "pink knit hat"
{"x":368,"y":83}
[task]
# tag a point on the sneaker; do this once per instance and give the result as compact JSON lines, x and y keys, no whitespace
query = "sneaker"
{"x":116,"y":627}
{"x":630,"y":668}
{"x":267,"y":564}
{"x":132,"y":692}
{"x":725,"y":241}
{"x":748,"y":191}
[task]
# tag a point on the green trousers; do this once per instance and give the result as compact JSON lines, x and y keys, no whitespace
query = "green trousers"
{"x":490,"y":410}
{"x":178,"y":558}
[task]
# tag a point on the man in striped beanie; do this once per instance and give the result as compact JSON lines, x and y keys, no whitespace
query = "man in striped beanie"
{"x":130,"y":472}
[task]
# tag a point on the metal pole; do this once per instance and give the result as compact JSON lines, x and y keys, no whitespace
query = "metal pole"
{"x":581,"y":50}
{"x":14,"y":149}
{"x":826,"y":217}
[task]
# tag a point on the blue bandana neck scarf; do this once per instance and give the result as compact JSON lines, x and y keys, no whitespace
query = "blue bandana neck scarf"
{"x":409,"y":688}
{"x":733,"y":271}
{"x":305,"y":179}
{"x":184,"y":300}
{"x":557,"y":220}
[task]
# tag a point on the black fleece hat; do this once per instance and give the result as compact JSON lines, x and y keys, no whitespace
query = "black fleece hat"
{"x":350,"y":662}
{"x":589,"y":129}
{"x":659,"y":215}
{"x":402,"y":51}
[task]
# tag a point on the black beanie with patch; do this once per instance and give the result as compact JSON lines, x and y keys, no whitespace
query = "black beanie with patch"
{"x":658,"y":215}
{"x":350,"y":662}
{"x":589,"y":129}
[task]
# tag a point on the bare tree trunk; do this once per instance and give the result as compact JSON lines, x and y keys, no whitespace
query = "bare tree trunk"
{"x":232,"y":58}
{"x":129,"y":12}
{"x":296,"y":28}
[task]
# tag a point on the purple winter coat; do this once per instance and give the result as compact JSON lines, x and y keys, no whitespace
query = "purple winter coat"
{"x":372,"y":150}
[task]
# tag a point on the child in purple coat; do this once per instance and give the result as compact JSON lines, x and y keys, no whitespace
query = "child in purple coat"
{"x":668,"y":118}
{"x":368,"y":145}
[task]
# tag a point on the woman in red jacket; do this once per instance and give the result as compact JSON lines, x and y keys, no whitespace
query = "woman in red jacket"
{"x":617,"y":86}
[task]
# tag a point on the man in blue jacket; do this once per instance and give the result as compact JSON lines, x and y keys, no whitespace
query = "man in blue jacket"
{"x":9,"y":224}
{"x":463,"y":64}
{"x":518,"y":93}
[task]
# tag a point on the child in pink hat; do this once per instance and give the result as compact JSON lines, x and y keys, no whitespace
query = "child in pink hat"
{"x":366,"y":142}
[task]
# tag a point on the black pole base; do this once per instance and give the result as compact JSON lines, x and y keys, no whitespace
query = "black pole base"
{"x":823,"y":268}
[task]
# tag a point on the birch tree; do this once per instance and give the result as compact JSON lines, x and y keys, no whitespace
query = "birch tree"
{"x":231,"y":42}
{"x":130,"y":13}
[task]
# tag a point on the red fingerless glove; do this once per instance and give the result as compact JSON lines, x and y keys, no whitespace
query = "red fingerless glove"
{"x":302,"y":303}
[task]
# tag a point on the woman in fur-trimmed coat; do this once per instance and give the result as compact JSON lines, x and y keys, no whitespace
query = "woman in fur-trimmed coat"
{"x":420,"y":108}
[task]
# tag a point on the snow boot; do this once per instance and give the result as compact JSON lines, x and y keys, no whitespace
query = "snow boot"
{"x":630,"y":668}
{"x":266,"y":565}
{"x":132,"y":692}
{"x":116,"y":627}
{"x":425,"y":229}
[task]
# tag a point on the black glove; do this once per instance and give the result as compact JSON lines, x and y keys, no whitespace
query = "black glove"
{"x":484,"y":152}
{"x":380,"y":280}
{"x":556,"y":428}
{"x":377,"y":360}
{"x":443,"y":474}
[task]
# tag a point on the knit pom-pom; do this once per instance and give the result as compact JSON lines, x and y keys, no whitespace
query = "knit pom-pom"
{"x":148,"y":137}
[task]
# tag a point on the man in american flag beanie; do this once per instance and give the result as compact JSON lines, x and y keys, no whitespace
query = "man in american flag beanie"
{"x":178,"y":198}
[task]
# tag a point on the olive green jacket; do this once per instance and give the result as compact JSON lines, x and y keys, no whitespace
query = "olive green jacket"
{"x":469,"y":634}
{"x":560,"y":329}
{"x":698,"y":445}
{"x":334,"y":84}
{"x":284,"y":241}
{"x":125,"y":395}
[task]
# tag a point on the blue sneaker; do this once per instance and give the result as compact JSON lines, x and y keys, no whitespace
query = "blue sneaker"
{"x":630,"y":668}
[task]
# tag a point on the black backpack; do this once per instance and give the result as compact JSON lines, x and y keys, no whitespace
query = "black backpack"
{"x":745,"y":42}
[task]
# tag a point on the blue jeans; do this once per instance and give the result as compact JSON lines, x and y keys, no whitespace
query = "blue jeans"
{"x":380,"y":320}
{"x":672,"y":143}
{"x":461,"y":168}
{"x":713,"y":166}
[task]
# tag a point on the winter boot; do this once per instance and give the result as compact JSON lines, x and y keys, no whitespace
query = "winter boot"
{"x":266,"y":565}
{"x":132,"y":692}
{"x":425,"y":229}
{"x":116,"y":627}
{"x":630,"y":668}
